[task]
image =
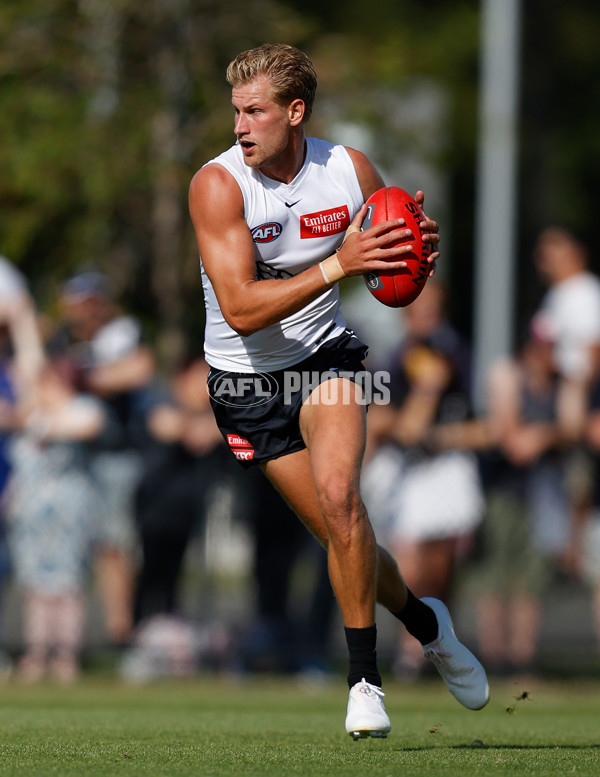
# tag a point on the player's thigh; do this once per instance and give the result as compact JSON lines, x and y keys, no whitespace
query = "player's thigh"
{"x":332,"y":422}
{"x":291,"y":475}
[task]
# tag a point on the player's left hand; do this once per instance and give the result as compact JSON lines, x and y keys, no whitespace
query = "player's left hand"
{"x":430,"y":235}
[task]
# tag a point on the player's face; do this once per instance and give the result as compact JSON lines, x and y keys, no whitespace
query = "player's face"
{"x":262,"y":126}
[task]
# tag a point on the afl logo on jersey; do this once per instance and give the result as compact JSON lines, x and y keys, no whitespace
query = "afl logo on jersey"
{"x":266,"y":233}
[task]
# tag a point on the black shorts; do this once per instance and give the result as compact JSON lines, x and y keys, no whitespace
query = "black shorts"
{"x":258,"y":413}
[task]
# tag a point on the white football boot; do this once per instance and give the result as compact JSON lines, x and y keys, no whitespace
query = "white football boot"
{"x":366,"y":715}
{"x":464,"y":676}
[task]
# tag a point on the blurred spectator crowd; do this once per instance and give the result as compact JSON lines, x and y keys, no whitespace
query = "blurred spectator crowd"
{"x":112,"y":471}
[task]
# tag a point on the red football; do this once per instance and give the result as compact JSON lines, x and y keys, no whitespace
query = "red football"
{"x":398,"y":288}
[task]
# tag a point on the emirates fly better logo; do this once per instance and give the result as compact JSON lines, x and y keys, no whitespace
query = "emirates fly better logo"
{"x":324,"y":222}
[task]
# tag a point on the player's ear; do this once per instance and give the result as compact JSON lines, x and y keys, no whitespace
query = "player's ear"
{"x":296,"y":112}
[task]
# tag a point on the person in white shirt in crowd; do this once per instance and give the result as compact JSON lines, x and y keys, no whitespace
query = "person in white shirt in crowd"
{"x":21,"y":361}
{"x":53,"y":506}
{"x":110,"y":361}
{"x":569,"y":317}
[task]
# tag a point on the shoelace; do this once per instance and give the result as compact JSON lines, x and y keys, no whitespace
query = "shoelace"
{"x":367,"y":687}
{"x":437,"y":652}
{"x":437,"y":658}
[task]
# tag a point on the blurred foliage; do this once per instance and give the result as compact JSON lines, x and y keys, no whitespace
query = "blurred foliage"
{"x":560,"y":126}
{"x":107,"y":107}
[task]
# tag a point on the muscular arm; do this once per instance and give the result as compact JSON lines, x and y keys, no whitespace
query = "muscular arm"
{"x":368,"y":177}
{"x":227,"y":251}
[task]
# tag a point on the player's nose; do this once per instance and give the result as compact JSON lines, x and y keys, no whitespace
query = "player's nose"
{"x":239,"y":126}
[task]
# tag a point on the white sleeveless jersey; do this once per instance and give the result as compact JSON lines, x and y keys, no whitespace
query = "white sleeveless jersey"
{"x":294,"y":226}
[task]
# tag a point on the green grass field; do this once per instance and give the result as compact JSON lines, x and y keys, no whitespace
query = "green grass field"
{"x":262,"y":727}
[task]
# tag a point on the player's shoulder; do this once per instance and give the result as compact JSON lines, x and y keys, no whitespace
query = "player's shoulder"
{"x":368,"y":177}
{"x":323,"y":152}
{"x":214,"y":185}
{"x":358,"y":157}
{"x":212,"y":176}
{"x":321,"y":146}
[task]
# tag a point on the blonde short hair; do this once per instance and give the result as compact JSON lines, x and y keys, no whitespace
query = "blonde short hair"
{"x":291,"y":73}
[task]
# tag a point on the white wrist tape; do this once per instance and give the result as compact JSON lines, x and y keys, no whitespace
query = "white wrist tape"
{"x":331,"y":270}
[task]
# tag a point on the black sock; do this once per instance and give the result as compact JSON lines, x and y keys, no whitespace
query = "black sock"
{"x":419,"y":619}
{"x":363,"y":656}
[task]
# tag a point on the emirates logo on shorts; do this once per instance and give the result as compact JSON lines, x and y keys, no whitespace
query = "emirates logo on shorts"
{"x":241,"y":448}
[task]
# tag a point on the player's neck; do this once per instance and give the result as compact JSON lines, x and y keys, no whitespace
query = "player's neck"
{"x":288,"y":164}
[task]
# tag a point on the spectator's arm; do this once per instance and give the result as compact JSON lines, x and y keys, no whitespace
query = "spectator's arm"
{"x":129,"y":372}
{"x":525,"y":444}
{"x":414,"y":419}
{"x":504,"y":400}
{"x":593,"y":431}
{"x":20,"y":316}
{"x":572,"y":408}
{"x":465,"y":436}
{"x":78,"y":422}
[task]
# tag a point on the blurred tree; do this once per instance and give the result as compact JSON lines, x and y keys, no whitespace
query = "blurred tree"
{"x":107,"y":107}
{"x":560,"y":137}
{"x":366,"y":48}
{"x":407,"y":72}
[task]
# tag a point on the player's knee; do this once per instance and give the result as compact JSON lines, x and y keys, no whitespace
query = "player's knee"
{"x":340,"y":500}
{"x":343,"y":511}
